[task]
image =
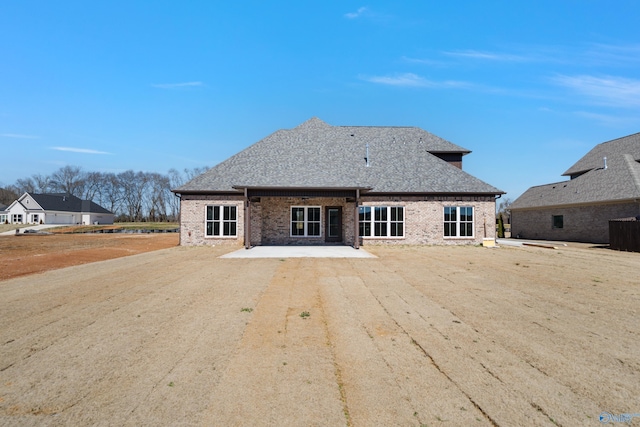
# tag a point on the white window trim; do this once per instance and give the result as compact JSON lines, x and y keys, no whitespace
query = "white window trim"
{"x":458,"y":222}
{"x":305,"y":222}
{"x":373,"y":221}
{"x":221,"y":222}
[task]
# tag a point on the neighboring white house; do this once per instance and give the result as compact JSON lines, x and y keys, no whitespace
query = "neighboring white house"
{"x":33,"y":208}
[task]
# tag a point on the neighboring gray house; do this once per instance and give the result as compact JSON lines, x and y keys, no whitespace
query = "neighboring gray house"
{"x":33,"y":208}
{"x":603,"y":185}
{"x":3,"y":213}
{"x":322,"y":184}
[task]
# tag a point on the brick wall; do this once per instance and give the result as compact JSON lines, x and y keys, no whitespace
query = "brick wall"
{"x":580,"y":223}
{"x":271,"y":220}
{"x":192,"y":219}
{"x":275,"y":220}
{"x":424,"y":220}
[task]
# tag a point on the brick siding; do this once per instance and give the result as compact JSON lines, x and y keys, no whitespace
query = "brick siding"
{"x":192,"y":220}
{"x":271,"y":219}
{"x":580,"y":223}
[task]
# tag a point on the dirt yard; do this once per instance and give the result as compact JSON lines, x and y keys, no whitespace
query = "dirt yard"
{"x":36,"y":253}
{"x":419,"y":336}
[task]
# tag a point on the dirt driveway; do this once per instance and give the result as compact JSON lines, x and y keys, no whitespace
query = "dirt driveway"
{"x":417,"y":336}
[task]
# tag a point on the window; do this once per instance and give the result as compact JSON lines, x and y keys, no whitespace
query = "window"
{"x":16,"y":219}
{"x":305,"y":221}
{"x":222,"y":221}
{"x":35,"y":218}
{"x":458,"y":221}
{"x":386,"y":221}
{"x":558,"y":221}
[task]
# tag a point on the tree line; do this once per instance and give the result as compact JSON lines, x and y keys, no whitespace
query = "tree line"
{"x":131,"y":196}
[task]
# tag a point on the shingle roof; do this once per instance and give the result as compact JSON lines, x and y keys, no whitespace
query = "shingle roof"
{"x":66,"y":203}
{"x":594,"y":159}
{"x":318,"y":155}
{"x":619,"y":181}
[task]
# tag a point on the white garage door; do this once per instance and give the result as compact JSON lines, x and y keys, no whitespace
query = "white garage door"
{"x":60,"y":219}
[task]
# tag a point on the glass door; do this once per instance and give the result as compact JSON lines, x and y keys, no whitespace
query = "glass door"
{"x":333,"y":214}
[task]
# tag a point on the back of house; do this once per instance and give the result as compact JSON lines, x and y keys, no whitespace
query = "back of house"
{"x":318,"y":184}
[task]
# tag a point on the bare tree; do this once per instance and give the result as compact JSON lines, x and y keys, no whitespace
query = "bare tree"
{"x":7,"y":195}
{"x":111,"y":193}
{"x":192,"y":173}
{"x":505,"y":207}
{"x":92,"y":186}
{"x":68,"y":179}
{"x":158,"y":196}
{"x":136,"y":196}
{"x":176,"y":179}
{"x":133,"y":187}
{"x":42,"y":182}
{"x":26,"y":185}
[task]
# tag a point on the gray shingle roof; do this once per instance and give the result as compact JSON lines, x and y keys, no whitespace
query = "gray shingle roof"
{"x":594,"y":159}
{"x":619,"y":181}
{"x":66,"y":203}
{"x":318,"y":155}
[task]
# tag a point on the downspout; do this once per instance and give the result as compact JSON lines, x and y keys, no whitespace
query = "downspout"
{"x":247,"y":220}
{"x":179,"y":218}
{"x":356,"y":242}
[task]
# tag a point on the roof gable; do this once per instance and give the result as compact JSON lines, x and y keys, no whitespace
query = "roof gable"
{"x":594,"y":159}
{"x":619,"y":181}
{"x":317,"y":155}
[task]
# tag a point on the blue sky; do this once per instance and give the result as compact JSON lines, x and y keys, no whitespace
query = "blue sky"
{"x":528,"y":86}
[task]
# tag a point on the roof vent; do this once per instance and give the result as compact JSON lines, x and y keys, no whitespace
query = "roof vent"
{"x":604,"y":159}
{"x":367,"y":156}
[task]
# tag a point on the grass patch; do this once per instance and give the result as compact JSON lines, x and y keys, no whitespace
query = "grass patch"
{"x":10,"y":227}
{"x":148,"y":227}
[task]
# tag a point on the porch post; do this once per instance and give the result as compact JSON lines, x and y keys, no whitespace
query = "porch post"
{"x":356,"y":233}
{"x":247,"y":220}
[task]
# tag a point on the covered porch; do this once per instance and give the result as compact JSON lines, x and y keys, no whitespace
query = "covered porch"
{"x":301,"y":217}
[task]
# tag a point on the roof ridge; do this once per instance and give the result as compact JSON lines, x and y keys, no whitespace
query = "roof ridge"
{"x":622,"y":137}
{"x":634,"y":169}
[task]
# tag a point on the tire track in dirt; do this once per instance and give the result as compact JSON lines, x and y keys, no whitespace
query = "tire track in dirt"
{"x":282,"y":372}
{"x":71,"y":312}
{"x":376,"y":354}
{"x":163,"y":334}
{"x":550,"y":331}
{"x":510,"y":392}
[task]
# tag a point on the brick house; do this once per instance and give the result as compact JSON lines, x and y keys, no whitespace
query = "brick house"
{"x":319,"y":184}
{"x":603,"y":185}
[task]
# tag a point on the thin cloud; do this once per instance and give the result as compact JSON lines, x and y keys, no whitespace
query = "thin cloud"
{"x":79,"y":150}
{"x":606,"y":119}
{"x":177,"y":85}
{"x":18,"y":135}
{"x":606,"y":90}
{"x":414,"y":80}
{"x":431,"y":62}
{"x":603,"y":119}
{"x":613,"y":55}
{"x":488,"y":56}
{"x":360,"y":12}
